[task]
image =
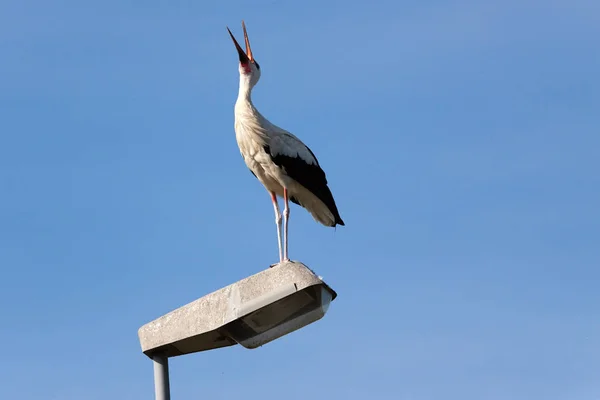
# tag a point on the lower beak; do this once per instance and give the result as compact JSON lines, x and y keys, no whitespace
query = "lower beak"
{"x":244,"y":59}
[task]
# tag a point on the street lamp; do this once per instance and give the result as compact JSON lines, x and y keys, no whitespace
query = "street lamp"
{"x":251,"y":312}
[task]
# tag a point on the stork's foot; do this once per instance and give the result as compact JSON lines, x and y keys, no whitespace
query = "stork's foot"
{"x":286,"y":260}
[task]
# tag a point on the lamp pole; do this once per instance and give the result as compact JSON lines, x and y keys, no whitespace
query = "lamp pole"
{"x":162,"y":390}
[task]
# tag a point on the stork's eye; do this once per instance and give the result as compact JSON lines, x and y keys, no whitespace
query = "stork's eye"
{"x":257,"y":66}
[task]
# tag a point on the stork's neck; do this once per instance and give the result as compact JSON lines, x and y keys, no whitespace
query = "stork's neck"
{"x":243,"y":105}
{"x":245,"y":90}
{"x":245,"y":111}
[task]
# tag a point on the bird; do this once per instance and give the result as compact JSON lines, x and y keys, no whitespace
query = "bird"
{"x":285,"y":166}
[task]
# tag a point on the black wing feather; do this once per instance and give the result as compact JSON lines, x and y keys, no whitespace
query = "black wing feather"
{"x":311,"y":176}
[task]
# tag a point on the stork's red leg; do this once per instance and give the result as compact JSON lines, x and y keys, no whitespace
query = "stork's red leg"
{"x":286,"y":215}
{"x":278,"y":222}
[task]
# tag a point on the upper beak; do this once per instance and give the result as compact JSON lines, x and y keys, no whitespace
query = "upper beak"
{"x":247,"y":56}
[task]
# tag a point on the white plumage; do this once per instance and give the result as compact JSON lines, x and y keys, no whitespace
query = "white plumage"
{"x":281,"y":162}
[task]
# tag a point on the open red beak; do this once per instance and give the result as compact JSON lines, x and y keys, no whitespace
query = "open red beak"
{"x":245,"y":57}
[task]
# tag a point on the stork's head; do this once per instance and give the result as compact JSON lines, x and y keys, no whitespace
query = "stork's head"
{"x":249,"y":68}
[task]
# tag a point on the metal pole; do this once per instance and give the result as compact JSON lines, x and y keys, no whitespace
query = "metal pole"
{"x":161,"y":377}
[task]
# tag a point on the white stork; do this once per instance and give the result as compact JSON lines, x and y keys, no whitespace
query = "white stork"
{"x":282,"y":163}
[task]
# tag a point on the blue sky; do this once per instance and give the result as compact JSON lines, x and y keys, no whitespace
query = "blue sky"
{"x":461,"y":143}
